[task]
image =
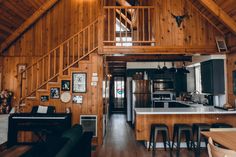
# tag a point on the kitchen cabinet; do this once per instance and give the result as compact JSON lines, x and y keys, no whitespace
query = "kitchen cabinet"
{"x":180,"y":83}
{"x":213,"y":77}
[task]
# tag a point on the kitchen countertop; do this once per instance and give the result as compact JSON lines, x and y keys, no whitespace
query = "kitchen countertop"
{"x":193,"y":109}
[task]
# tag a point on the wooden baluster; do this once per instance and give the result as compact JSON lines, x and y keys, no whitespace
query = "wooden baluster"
{"x":79,"y":49}
{"x":137,"y":18}
{"x":149,"y":25}
{"x":131,"y":26}
{"x":49,"y":65}
{"x":37,"y":74}
{"x":89,"y":38}
{"x":108,"y":25}
{"x":126,"y":25}
{"x":143,"y":19}
{"x":114,"y":25}
{"x":73,"y":49}
{"x":32,"y":78}
{"x":43,"y":70}
{"x":120,"y":29}
{"x":84,"y":43}
{"x":94,"y":36}
{"x":54,"y":62}
{"x":61,"y":60}
{"x":68,"y":53}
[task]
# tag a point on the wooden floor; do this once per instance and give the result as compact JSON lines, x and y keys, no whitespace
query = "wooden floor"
{"x":120,"y":142}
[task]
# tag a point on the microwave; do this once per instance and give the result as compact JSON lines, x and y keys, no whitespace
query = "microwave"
{"x":163,"y":85}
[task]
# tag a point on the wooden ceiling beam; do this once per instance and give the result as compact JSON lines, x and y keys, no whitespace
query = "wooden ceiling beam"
{"x":159,"y":50}
{"x":142,"y":58}
{"x":30,"y":21}
{"x":220,"y":14}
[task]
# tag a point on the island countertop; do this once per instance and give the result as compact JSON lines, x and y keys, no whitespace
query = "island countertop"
{"x":189,"y":110}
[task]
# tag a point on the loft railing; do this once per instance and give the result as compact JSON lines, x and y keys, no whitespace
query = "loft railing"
{"x":58,"y":60}
{"x":129,"y":26}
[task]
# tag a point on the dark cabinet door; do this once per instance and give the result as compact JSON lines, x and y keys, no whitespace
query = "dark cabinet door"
{"x":212,"y":76}
{"x":180,"y":83}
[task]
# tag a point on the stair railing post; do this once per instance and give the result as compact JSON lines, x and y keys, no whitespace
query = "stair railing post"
{"x":61,"y":61}
{"x":100,"y":33}
{"x":21,"y":92}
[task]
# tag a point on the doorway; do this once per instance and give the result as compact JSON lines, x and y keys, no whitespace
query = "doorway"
{"x":118,"y":95}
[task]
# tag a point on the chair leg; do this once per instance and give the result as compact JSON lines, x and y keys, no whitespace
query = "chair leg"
{"x":198,"y":142}
{"x":173,"y":138}
{"x":150,"y":139}
{"x":164,"y":138}
{"x":168,"y":140}
{"x":178,"y":143}
{"x":188,"y":139}
{"x":154,"y":142}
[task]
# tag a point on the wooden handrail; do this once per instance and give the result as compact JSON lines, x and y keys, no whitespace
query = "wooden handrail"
{"x":59,"y":59}
{"x":127,"y":7}
{"x":51,"y":51}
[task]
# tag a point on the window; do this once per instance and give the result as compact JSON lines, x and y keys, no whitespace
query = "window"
{"x":119,"y":88}
{"x":198,"y":83}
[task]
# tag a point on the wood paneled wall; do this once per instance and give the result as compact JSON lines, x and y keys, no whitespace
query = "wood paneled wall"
{"x":231,"y":66}
{"x":195,"y":30}
{"x":58,"y":24}
{"x":65,"y":19}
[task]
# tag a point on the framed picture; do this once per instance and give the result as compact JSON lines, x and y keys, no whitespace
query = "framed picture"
{"x":44,"y":98}
{"x":20,"y":68}
{"x":77,"y":99}
{"x":65,"y":85}
{"x":79,"y":82}
{"x":55,"y":93}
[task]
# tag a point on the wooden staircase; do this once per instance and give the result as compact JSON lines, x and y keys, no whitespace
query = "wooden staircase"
{"x":58,"y":64}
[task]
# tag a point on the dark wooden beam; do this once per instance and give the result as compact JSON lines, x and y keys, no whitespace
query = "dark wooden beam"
{"x":30,"y":21}
{"x":150,"y":58}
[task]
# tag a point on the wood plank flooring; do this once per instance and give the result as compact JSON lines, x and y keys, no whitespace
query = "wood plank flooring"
{"x":120,"y":142}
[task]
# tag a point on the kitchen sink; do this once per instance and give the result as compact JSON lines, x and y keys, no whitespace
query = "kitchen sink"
{"x":170,"y":105}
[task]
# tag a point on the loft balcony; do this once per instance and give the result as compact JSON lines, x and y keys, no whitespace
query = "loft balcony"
{"x":129,"y":26}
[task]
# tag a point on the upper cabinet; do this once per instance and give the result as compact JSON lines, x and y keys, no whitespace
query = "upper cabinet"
{"x":212,"y":77}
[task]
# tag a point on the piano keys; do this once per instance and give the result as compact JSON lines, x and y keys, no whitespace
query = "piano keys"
{"x":55,"y":124}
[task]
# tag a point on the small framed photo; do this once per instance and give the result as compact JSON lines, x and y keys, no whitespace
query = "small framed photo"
{"x":77,"y":99}
{"x":65,"y":85}
{"x":44,"y":98}
{"x":55,"y":93}
{"x":20,"y":68}
{"x":79,"y":82}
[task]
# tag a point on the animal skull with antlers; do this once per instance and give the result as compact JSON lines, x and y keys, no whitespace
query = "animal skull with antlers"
{"x":179,"y":19}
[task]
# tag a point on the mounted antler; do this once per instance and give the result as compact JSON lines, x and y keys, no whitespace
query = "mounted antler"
{"x":179,"y":19}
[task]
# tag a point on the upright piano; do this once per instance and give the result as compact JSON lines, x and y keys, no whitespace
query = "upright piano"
{"x":55,"y":123}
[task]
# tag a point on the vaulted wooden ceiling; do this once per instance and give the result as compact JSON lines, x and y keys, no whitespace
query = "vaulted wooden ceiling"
{"x":14,"y":12}
{"x":228,"y":6}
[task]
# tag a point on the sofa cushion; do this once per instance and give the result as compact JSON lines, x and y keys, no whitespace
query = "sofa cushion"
{"x":48,"y":149}
{"x":74,"y":135}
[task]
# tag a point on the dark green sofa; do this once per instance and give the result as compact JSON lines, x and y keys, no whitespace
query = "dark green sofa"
{"x":72,"y":143}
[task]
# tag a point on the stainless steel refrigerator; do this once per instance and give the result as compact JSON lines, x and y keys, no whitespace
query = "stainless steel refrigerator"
{"x":141,"y":95}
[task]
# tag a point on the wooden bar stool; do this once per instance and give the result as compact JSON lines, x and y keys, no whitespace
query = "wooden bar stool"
{"x":196,"y":130}
{"x":178,"y":130}
{"x":155,"y":128}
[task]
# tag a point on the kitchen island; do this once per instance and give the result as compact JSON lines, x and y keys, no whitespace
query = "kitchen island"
{"x":169,"y":116}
